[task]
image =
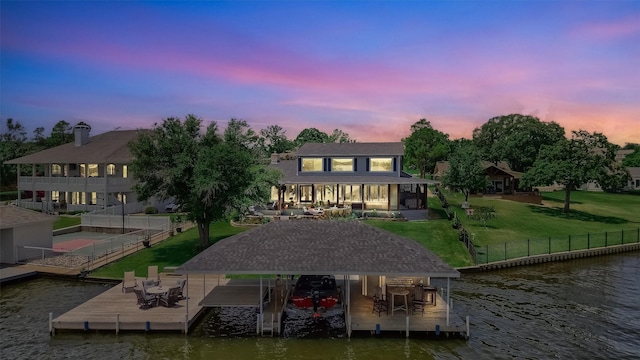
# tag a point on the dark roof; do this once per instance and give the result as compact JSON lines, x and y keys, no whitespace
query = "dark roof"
{"x":110,"y":147}
{"x":352,"y":149}
{"x":289,"y":169}
{"x":318,"y":247}
{"x":13,"y":216}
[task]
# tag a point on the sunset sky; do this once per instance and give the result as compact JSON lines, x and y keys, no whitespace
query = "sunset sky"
{"x":369,"y":68}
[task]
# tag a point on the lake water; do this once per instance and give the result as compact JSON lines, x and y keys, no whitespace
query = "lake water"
{"x":579,"y":309}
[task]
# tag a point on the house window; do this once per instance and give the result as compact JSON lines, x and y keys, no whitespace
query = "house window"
{"x":637,"y":183}
{"x":94,"y":198}
{"x":376,"y":193}
{"x":350,"y":193}
{"x":55,"y":196}
{"x":380,"y":164}
{"x":124,"y":171}
{"x":111,"y":169}
{"x":306,"y":194}
{"x":341,"y":165}
{"x":312,"y":164}
{"x":56,"y":169}
{"x":78,"y":198}
{"x":93,"y":170}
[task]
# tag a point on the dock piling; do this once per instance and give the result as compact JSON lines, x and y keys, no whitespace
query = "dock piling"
{"x":117,"y":324}
{"x":51,"y":323}
{"x":467,"y":327}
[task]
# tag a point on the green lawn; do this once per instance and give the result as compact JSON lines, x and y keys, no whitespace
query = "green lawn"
{"x":171,"y":252}
{"x":435,"y":235}
{"x":66,"y":221}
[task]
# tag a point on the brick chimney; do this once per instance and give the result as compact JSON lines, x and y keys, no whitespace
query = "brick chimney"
{"x":81,"y":133}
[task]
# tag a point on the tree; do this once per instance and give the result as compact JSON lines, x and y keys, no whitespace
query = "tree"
{"x":633,"y":159}
{"x":310,"y":135}
{"x":207,"y":174}
{"x":13,"y":145}
{"x":60,"y":134}
{"x":516,"y":139}
{"x":274,"y":140}
{"x":465,"y":173}
{"x":425,"y":146}
{"x":339,"y":136}
{"x":573,"y":162}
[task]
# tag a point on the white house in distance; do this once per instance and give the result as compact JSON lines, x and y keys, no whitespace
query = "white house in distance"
{"x":88,"y":174}
{"x":22,"y":227}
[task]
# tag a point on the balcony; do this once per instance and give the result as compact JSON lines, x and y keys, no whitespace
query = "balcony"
{"x":63,"y":183}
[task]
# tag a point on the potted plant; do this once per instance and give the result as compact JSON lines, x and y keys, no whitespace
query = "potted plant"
{"x":146,"y":242}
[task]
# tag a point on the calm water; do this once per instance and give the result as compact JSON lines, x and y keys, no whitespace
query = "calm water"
{"x":582,"y":309}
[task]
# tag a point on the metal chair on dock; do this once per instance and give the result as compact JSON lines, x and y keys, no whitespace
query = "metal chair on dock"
{"x":145,"y":301}
{"x":380,"y":304}
{"x":419,"y":300}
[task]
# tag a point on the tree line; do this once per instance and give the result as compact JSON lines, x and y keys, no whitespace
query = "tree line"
{"x":541,"y":150}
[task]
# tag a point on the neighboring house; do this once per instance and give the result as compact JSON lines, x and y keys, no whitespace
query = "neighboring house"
{"x":22,"y":227}
{"x":502,"y":179}
{"x":361,"y":175}
{"x":90,"y":173}
{"x":634,"y":183}
{"x":621,"y":154}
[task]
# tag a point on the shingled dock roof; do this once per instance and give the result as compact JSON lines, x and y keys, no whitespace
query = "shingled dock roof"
{"x":318,"y":247}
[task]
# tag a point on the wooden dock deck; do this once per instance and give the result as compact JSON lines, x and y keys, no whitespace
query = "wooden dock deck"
{"x":364,"y":319}
{"x":116,"y":311}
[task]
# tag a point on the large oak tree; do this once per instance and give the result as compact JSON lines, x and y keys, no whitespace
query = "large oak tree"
{"x":516,"y":139}
{"x":574,"y":162}
{"x":207,"y":174}
{"x":425,"y":146}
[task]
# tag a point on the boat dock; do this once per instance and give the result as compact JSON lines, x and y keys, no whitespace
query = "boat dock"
{"x":114,"y":310}
{"x":15,"y":273}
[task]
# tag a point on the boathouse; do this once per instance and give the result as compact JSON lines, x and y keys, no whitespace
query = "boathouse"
{"x":368,"y":259}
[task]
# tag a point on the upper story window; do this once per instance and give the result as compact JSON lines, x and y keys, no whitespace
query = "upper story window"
{"x":56,"y":169}
{"x":342,"y":164}
{"x":381,"y":164}
{"x":125,"y":172}
{"x":93,"y":170}
{"x":111,"y":169}
{"x":312,"y":164}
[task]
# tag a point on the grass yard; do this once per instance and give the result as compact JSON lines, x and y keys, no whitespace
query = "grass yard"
{"x":66,"y":221}
{"x":435,"y":235}
{"x":171,"y":252}
{"x":591,"y":212}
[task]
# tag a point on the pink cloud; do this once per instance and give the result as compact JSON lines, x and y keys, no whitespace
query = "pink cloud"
{"x":614,"y":29}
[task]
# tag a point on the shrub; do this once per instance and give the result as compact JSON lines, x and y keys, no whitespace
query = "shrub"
{"x":151,"y":210}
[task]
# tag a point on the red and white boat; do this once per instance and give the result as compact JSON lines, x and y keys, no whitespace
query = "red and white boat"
{"x":315,"y":291}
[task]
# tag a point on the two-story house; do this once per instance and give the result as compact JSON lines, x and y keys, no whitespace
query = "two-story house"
{"x":90,"y":173}
{"x":361,"y":175}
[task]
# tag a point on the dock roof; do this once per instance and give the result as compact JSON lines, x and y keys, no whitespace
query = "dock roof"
{"x":318,"y":247}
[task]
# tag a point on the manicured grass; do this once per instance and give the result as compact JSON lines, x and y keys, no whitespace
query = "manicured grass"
{"x":435,"y":235}
{"x":171,"y":252}
{"x":66,"y":221}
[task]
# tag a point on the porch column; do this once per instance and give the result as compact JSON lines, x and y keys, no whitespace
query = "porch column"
{"x":18,"y":180}
{"x":105,"y":201}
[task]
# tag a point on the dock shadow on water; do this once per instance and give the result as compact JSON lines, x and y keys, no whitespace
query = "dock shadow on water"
{"x":297,"y":323}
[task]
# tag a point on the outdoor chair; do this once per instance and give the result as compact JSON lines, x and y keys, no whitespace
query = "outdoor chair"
{"x":380,"y":304}
{"x":171,"y":298}
{"x":147,"y":284}
{"x":181,"y":283}
{"x":145,"y":301}
{"x":418,"y":299}
{"x":129,"y":282}
{"x":152,"y":274}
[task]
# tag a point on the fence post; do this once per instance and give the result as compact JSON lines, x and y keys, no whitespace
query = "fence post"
{"x":505,"y":251}
{"x":487,"y":251}
{"x":588,"y":241}
{"x":569,"y":242}
{"x":528,"y":247}
{"x":549,"y":244}
{"x":623,"y":237}
{"x":606,"y":237}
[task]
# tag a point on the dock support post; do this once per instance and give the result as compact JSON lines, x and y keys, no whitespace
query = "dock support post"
{"x":186,"y":324}
{"x":407,"y":325}
{"x":467,"y":327}
{"x":86,"y":326}
{"x":349,"y":326}
{"x":147,"y":326}
{"x":117,"y":324}
{"x":51,"y":323}
{"x":257,"y":324}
